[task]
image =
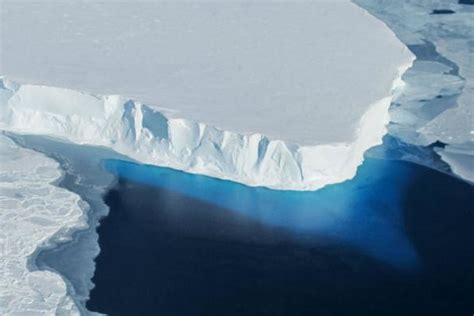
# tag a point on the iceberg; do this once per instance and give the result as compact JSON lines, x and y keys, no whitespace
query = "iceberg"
{"x":282,"y":95}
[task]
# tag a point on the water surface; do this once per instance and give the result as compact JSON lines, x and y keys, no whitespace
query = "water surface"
{"x":398,"y":238}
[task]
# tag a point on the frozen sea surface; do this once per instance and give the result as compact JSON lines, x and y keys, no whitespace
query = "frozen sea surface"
{"x":73,"y":258}
{"x":35,"y":214}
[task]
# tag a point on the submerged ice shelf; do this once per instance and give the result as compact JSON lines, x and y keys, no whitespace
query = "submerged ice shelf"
{"x":264,"y":94}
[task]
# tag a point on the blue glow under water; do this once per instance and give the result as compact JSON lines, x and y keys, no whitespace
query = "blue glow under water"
{"x":364,"y":213}
{"x":398,"y":239}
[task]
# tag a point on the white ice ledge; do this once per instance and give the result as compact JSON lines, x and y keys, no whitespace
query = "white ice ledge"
{"x":155,"y":137}
{"x":286,"y":95}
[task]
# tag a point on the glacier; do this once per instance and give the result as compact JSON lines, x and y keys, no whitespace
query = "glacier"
{"x":256,"y":99}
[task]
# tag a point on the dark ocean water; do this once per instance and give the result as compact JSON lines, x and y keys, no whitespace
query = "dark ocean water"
{"x":396,"y":240}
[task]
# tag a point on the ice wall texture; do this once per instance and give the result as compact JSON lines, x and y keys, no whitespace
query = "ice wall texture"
{"x":438,"y":101}
{"x":34,"y":214}
{"x":143,"y":133}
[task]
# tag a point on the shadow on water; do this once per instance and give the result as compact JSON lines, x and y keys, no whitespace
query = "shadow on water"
{"x":180,"y":244}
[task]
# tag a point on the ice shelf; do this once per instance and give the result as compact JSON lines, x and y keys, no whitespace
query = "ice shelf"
{"x":284,"y":95}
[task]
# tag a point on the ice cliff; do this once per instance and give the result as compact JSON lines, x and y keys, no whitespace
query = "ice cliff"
{"x":153,"y":136}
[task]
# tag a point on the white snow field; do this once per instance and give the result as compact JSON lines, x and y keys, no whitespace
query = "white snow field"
{"x":283,"y":95}
{"x":34,"y":213}
{"x":438,"y":102}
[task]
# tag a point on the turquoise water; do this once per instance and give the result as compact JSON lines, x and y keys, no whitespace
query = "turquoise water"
{"x":398,"y":239}
{"x":364,"y":213}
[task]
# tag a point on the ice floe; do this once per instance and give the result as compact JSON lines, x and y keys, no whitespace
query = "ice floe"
{"x":438,"y":102}
{"x":34,"y":214}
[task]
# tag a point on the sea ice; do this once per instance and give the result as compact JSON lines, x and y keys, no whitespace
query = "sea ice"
{"x":460,"y":158}
{"x":34,"y":214}
{"x":437,"y":104}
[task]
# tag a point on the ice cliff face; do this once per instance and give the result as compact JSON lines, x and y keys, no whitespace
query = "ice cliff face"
{"x":153,"y":136}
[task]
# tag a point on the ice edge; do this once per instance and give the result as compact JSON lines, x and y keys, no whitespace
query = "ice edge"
{"x":143,"y":133}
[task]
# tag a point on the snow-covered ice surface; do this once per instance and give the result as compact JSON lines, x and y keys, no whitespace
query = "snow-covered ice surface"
{"x":34,"y":214}
{"x":437,"y":103}
{"x":284,"y":95}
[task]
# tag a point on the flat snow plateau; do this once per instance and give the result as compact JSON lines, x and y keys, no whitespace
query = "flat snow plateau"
{"x":284,"y":95}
